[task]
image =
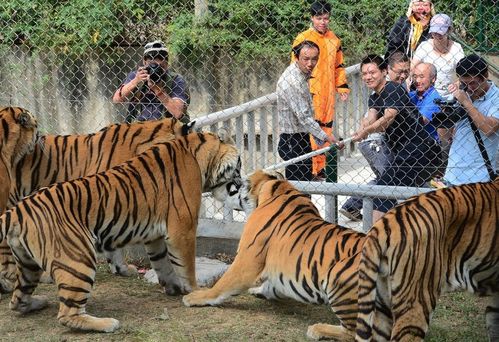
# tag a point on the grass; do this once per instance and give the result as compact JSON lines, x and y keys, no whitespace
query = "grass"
{"x":146,"y":314}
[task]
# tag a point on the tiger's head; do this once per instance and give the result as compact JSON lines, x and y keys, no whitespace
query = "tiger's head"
{"x":247,"y":194}
{"x":19,"y":132}
{"x":219,"y":161}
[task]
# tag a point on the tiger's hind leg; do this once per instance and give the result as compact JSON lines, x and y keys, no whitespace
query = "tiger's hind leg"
{"x":410,"y":324}
{"x":7,"y":268}
{"x":492,"y":317}
{"x":74,"y":281}
{"x":158,"y":256}
{"x":27,"y":279}
{"x":341,"y":293}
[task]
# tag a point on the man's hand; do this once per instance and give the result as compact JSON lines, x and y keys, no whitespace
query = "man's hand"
{"x":361,"y":134}
{"x":156,"y":88}
{"x":460,"y":95}
{"x":141,"y":77}
{"x":332,"y":141}
{"x":343,"y":96}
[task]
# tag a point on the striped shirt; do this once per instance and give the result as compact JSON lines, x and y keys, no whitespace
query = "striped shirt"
{"x":294,"y":104}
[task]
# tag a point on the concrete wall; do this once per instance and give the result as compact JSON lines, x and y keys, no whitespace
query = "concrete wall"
{"x":73,"y":94}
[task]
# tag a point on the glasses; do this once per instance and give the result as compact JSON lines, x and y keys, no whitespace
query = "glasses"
{"x":399,"y":72}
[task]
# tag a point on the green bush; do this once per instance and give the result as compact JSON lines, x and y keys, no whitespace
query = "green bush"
{"x":248,"y":30}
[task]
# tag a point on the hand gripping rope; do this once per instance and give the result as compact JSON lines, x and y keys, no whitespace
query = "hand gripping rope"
{"x":303,"y":157}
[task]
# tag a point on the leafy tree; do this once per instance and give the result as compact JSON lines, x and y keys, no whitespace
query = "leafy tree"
{"x":247,"y":30}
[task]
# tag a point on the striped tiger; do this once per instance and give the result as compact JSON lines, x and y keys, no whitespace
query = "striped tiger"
{"x":59,"y":228}
{"x":65,"y":157}
{"x":439,"y":242}
{"x":288,"y":248}
{"x":18,"y":137}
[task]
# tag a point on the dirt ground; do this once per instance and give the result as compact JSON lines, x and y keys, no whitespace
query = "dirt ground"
{"x":146,"y":314}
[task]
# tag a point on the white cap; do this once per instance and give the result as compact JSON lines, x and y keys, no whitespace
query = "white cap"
{"x":155,"y":46}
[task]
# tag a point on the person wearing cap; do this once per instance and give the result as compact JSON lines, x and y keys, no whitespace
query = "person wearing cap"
{"x":329,"y":76}
{"x":153,"y":91}
{"x":468,"y":162}
{"x":411,"y":29}
{"x":441,"y":51}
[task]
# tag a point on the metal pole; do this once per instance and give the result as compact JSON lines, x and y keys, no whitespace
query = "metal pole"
{"x":332,"y":177}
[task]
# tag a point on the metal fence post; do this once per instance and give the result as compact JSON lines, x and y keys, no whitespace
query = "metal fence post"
{"x":332,"y":177}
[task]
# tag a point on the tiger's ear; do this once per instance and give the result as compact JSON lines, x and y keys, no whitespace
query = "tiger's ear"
{"x":279,"y":175}
{"x":224,"y":136}
{"x":187,"y":128}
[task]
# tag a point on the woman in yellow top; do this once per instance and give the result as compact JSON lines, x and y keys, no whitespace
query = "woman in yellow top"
{"x":329,"y":75}
{"x":411,"y":29}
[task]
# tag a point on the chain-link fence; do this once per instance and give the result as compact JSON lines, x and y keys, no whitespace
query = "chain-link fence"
{"x":78,"y":65}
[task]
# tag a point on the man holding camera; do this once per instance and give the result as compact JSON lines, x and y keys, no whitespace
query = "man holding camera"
{"x":472,"y":156}
{"x":153,"y":91}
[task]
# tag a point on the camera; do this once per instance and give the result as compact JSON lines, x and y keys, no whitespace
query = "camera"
{"x":156,"y":73}
{"x":450,"y":112}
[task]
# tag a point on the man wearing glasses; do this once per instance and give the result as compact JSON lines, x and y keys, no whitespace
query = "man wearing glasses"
{"x":472,"y":156}
{"x":153,"y":91}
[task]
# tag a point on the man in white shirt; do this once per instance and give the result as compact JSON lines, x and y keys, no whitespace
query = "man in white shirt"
{"x":296,"y":114}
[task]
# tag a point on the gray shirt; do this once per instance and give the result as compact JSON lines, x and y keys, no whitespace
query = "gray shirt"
{"x":294,"y":104}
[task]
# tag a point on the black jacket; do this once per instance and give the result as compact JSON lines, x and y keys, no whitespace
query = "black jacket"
{"x":398,"y":37}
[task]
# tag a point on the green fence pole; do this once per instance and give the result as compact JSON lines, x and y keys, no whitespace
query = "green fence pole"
{"x":332,"y":175}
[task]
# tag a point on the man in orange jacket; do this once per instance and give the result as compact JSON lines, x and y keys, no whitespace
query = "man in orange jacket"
{"x":329,"y":75}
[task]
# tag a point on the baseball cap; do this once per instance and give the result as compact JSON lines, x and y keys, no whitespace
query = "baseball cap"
{"x":440,"y":23}
{"x":155,"y":48}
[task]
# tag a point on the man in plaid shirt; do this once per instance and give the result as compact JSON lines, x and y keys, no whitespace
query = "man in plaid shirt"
{"x":296,"y":114}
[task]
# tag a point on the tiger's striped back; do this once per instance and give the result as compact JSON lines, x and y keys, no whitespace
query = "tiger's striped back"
{"x":431,"y":244}
{"x":65,"y":157}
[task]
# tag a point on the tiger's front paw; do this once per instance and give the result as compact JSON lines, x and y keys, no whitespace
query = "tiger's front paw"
{"x":199,"y":298}
{"x":322,"y":331}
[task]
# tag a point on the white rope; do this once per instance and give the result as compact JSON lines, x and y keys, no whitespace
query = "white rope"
{"x":303,"y":157}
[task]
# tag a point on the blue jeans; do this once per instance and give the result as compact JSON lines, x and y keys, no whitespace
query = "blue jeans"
{"x":378,"y":156}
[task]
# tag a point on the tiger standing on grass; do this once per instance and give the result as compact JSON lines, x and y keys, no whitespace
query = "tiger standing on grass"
{"x":18,"y":136}
{"x":59,"y":228}
{"x":64,"y":157}
{"x":288,"y":247}
{"x":439,"y":242}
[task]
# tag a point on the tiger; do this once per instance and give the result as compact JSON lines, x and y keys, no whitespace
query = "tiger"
{"x":65,"y":157}
{"x":59,"y":228}
{"x":19,"y":136}
{"x":289,"y":250}
{"x":439,"y":242}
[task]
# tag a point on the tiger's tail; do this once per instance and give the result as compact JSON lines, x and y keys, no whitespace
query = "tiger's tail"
{"x":373,"y":264}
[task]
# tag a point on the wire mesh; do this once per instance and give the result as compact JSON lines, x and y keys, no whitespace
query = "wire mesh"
{"x":65,"y":61}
